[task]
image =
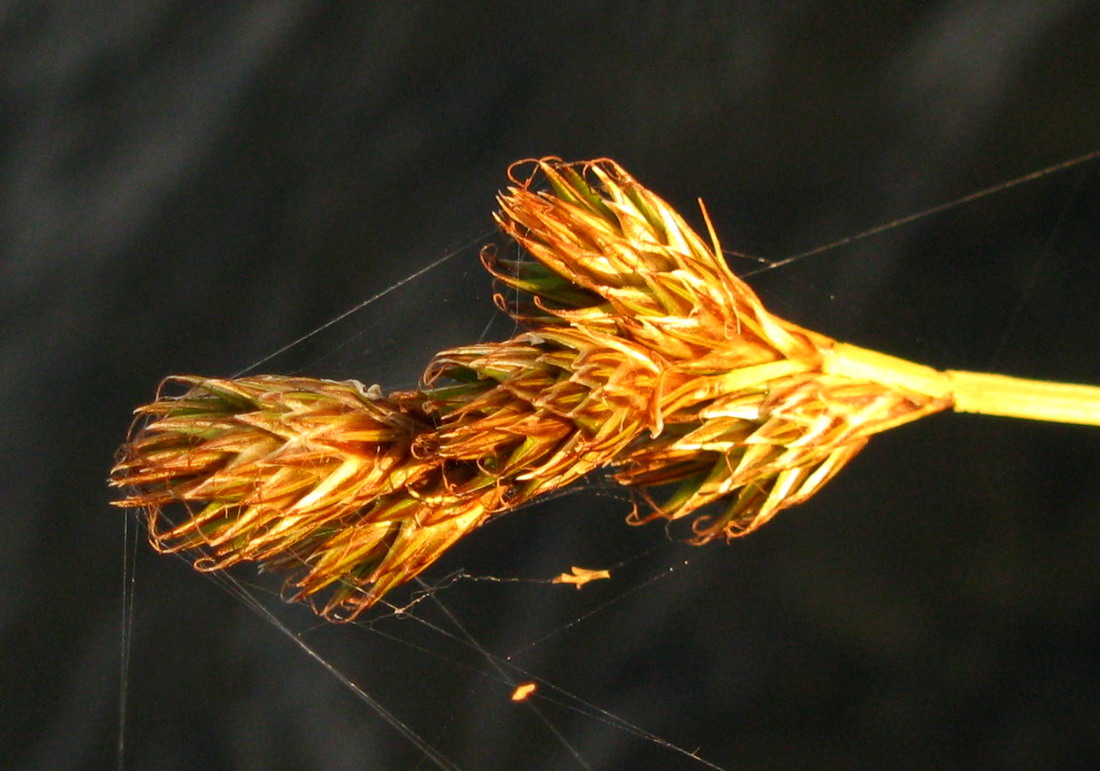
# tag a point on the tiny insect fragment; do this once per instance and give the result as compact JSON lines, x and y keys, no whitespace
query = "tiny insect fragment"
{"x":523,"y":690}
{"x":580,"y":576}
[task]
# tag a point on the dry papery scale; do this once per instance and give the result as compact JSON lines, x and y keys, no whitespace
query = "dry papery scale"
{"x":642,"y":354}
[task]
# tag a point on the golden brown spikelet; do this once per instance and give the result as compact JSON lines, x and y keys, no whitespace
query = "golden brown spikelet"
{"x":742,"y":409}
{"x":281,"y":470}
{"x":643,"y":354}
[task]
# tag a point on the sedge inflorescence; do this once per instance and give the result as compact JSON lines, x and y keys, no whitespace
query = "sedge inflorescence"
{"x":640,"y":353}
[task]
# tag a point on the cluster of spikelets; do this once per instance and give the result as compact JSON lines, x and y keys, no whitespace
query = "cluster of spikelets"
{"x":642,"y":354}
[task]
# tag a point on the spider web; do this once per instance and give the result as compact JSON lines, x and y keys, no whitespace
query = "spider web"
{"x":432,"y":673}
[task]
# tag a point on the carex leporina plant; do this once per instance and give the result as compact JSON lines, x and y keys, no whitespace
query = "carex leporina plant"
{"x":640,"y":353}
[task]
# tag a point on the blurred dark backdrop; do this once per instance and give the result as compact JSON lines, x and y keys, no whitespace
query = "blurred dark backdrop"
{"x":187,"y":187}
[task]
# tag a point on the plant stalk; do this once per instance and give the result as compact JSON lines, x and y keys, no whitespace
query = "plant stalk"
{"x":978,"y":392}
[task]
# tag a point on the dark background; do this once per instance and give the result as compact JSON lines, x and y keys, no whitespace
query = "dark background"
{"x":187,"y":187}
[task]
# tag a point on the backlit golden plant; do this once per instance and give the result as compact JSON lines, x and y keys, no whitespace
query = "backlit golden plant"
{"x":642,"y":354}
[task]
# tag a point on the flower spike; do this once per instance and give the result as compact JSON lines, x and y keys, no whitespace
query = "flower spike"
{"x":642,"y":354}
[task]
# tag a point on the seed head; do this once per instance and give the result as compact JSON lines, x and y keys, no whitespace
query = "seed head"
{"x":642,"y":353}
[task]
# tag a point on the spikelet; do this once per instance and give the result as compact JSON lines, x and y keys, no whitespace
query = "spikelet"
{"x":276,"y":469}
{"x":742,"y":410}
{"x":643,"y":354}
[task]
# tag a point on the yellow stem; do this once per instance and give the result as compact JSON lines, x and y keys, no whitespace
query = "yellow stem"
{"x":1015,"y":397}
{"x":978,"y":392}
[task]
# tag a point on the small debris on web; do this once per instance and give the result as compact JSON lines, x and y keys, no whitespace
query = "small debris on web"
{"x":580,"y":576}
{"x":523,"y":690}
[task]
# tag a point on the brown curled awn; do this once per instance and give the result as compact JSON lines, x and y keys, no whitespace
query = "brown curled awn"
{"x":642,"y":354}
